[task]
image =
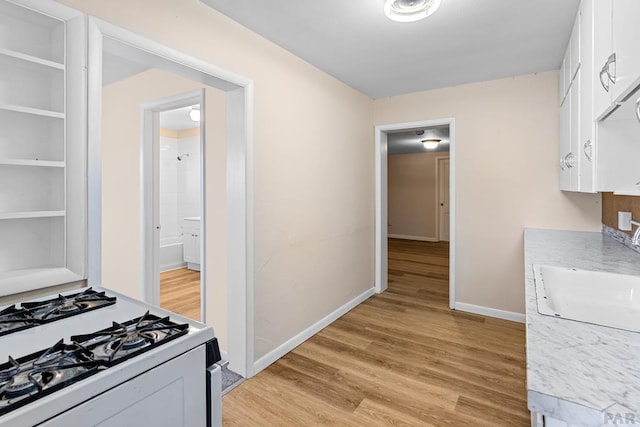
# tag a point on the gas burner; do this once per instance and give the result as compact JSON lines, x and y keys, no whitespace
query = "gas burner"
{"x":14,"y":319}
{"x":125,"y":340}
{"x":65,"y":306}
{"x":28,"y":378}
{"x":26,"y":383}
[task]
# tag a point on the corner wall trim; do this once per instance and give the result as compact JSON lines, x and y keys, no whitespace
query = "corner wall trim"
{"x":418,"y":238}
{"x":490,"y":312}
{"x":298,"y":339}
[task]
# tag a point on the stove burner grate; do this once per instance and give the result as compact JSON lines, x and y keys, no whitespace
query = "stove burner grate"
{"x":13,"y":319}
{"x":70,"y":305}
{"x":30,"y":377}
{"x":125,"y":340}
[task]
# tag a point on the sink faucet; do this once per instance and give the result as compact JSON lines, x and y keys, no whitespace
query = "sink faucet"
{"x":636,"y":236}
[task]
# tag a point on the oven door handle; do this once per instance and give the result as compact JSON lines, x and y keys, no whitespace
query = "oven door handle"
{"x":214,"y":396}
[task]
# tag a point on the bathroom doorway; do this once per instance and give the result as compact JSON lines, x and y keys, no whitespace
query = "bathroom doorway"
{"x":179,"y":203}
{"x":173,"y":130}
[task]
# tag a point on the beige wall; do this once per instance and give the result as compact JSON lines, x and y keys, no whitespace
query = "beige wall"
{"x":412,"y":194}
{"x":506,"y":173}
{"x":121,"y":259}
{"x":314,"y":189}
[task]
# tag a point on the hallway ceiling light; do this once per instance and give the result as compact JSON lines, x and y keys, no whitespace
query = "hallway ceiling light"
{"x":410,"y":10}
{"x":431,"y":144}
{"x":194,"y":114}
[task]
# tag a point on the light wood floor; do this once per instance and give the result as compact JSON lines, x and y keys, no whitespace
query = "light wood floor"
{"x":400,"y":358}
{"x":180,"y":292}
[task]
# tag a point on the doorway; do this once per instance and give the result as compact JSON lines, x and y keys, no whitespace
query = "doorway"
{"x":382,"y":219}
{"x":173,"y":136}
{"x":237,"y":220}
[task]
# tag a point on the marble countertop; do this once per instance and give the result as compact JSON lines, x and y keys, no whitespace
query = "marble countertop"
{"x":585,"y":374}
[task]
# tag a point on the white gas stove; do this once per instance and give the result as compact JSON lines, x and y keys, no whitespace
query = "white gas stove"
{"x":94,"y":357}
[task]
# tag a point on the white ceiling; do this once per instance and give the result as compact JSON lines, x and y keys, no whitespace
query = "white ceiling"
{"x":177,"y":119}
{"x":464,"y":41}
{"x":408,"y":142}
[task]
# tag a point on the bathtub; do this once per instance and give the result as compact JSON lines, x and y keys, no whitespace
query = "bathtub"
{"x":171,"y":250}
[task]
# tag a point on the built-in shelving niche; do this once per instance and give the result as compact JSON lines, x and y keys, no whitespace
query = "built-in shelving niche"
{"x":42,"y":151}
{"x":29,"y":137}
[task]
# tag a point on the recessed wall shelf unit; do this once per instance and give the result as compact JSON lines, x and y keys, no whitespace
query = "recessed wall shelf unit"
{"x":42,"y":145}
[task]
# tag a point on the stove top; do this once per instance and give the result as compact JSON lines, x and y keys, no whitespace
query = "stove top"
{"x":30,"y":314}
{"x":31,"y":377}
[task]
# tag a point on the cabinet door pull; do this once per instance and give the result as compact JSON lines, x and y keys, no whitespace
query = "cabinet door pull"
{"x":604,"y":78}
{"x":611,"y":65}
{"x":638,"y":109}
{"x":570,"y":160}
{"x":561,"y":163}
{"x":588,"y":150}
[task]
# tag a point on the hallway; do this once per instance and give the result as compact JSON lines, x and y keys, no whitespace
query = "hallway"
{"x":400,"y":358}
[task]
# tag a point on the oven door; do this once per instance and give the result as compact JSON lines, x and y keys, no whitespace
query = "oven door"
{"x":172,"y":394}
{"x":214,"y":396}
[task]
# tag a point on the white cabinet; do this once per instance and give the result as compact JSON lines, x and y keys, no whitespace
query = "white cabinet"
{"x":191,"y":239}
{"x":539,"y":420}
{"x":616,"y":55}
{"x":603,"y":65}
{"x":586,"y":144}
{"x":600,"y":72}
{"x":616,"y":68}
{"x":570,"y":113}
{"x":619,"y":150}
{"x":570,"y":138}
{"x":42,"y":145}
{"x":624,"y":39}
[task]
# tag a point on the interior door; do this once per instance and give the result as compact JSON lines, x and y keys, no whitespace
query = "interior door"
{"x":443,"y":198}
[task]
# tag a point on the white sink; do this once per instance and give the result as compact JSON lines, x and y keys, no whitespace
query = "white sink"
{"x":607,"y":299}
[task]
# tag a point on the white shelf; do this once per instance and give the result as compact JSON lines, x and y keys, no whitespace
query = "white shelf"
{"x":38,"y":163}
{"x":33,"y":214}
{"x":15,"y":281}
{"x":34,"y":111}
{"x":32,"y":59}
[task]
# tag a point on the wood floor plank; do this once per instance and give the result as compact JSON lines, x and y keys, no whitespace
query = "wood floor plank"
{"x":401,"y":358}
{"x":180,"y":292}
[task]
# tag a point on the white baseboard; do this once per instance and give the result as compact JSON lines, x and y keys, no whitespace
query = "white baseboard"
{"x":419,"y":238}
{"x":490,"y":312}
{"x":171,"y":267}
{"x":289,"y":345}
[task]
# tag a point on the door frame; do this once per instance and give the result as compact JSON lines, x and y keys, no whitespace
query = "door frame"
{"x":438,"y":194}
{"x":240,"y":171}
{"x":381,"y":217}
{"x":150,"y":200}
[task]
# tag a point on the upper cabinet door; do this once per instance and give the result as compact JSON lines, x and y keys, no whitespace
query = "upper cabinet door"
{"x":602,"y":50}
{"x":574,"y":43}
{"x":625,"y":38}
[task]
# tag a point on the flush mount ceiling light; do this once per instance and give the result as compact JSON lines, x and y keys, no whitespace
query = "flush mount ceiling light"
{"x":431,"y":144}
{"x":410,"y":10}
{"x":194,"y":114}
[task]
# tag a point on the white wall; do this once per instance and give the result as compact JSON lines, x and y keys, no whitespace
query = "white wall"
{"x":507,"y":145}
{"x":314,"y":189}
{"x":188,"y":176}
{"x":179,"y":180}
